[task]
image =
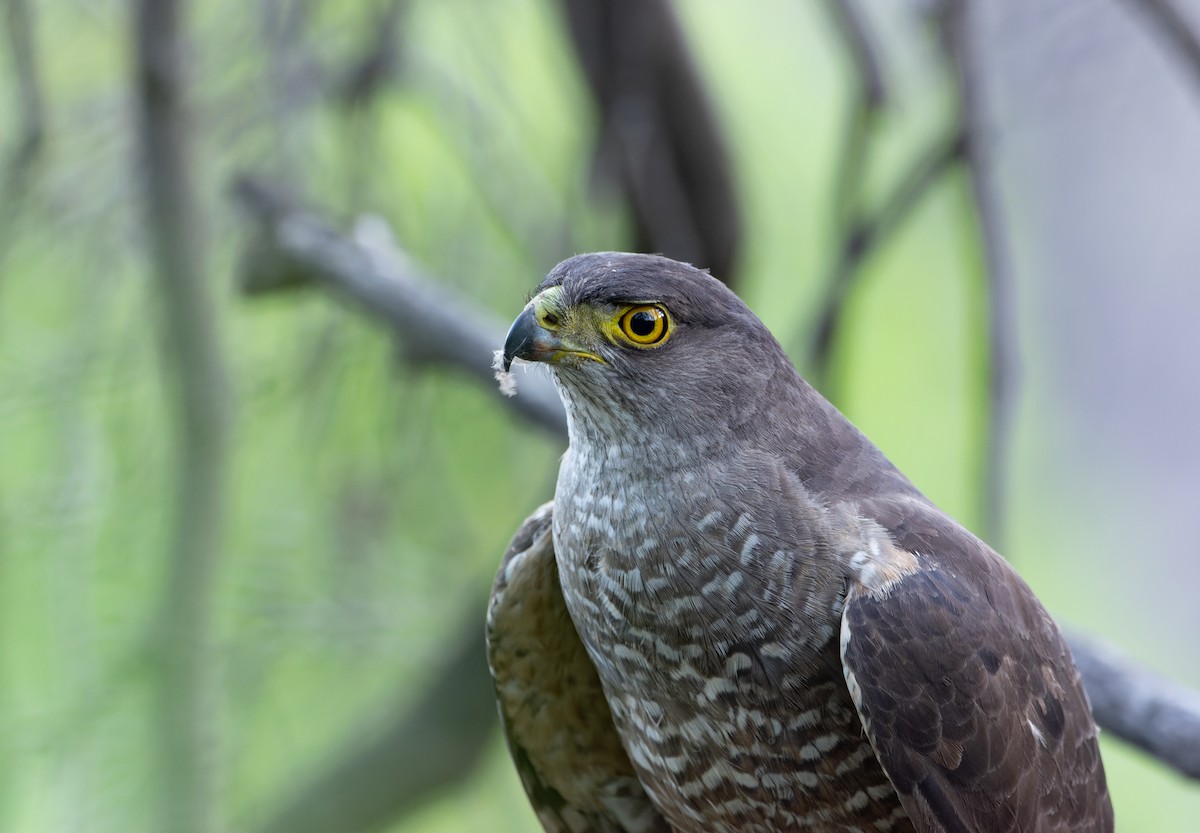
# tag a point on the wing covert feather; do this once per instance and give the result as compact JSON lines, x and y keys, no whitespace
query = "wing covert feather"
{"x":967,"y":690}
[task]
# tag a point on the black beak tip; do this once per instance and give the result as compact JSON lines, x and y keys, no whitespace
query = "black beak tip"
{"x":520,"y":337}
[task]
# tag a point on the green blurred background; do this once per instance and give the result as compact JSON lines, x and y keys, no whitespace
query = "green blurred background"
{"x":368,"y":497}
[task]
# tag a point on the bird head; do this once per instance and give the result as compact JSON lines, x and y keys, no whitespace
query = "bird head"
{"x":644,"y":340}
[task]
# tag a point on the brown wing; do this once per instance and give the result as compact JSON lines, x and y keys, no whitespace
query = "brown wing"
{"x":556,"y":720}
{"x":968,"y":692}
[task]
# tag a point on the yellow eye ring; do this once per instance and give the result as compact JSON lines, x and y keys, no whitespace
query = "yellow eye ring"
{"x":644,"y":325}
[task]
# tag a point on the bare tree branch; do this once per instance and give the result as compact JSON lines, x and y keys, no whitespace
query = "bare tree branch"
{"x":296,"y":248}
{"x":659,"y":132}
{"x":1146,"y":710}
{"x":1118,"y":687}
{"x":1002,"y":352}
{"x":195,"y":376}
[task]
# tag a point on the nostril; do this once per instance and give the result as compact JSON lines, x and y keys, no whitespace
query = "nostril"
{"x":549,"y":319}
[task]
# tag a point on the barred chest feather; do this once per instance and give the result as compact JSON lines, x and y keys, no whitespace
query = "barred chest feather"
{"x":714,"y":630}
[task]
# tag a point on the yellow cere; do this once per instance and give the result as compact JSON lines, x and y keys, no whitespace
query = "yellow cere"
{"x":645,"y":324}
{"x":549,"y":308}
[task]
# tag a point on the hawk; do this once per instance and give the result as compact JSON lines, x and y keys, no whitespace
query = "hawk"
{"x":737,"y":615}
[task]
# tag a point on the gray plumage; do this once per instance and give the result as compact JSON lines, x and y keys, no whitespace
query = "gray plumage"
{"x":745,"y":618}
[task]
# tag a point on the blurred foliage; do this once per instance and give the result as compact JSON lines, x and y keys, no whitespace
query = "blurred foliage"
{"x":370,"y":500}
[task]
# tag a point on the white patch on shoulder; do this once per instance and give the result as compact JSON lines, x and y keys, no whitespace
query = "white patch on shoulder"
{"x":881,"y":565}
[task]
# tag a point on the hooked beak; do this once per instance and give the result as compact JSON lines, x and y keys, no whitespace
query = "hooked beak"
{"x":529,"y":340}
{"x":534,"y":336}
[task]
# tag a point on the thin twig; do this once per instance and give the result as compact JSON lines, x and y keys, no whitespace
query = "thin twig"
{"x":187,"y":692}
{"x":857,"y":40}
{"x":867,"y":233}
{"x":859,"y":232}
{"x":1001,"y":342}
{"x":866,"y":102}
{"x":1124,"y":683}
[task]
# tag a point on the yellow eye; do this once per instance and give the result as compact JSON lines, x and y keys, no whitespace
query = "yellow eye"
{"x":644,"y":325}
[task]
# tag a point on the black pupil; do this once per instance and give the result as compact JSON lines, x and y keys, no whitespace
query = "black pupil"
{"x":642,"y":323}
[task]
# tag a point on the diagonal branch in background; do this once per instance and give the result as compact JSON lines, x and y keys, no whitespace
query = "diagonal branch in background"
{"x":296,"y":248}
{"x":660,"y":138}
{"x":859,"y":231}
{"x":858,"y":43}
{"x":187,"y":692}
{"x":1155,"y":714}
{"x":1122,"y":688}
{"x":868,"y":232}
{"x":954,"y":22}
{"x":866,"y":102}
